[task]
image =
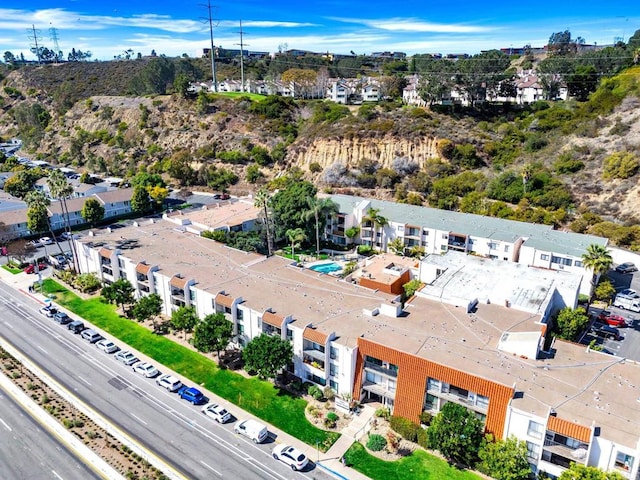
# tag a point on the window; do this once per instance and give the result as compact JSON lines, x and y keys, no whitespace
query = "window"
{"x":433,"y":385}
{"x":445,"y":236}
{"x":577,"y":263}
{"x":561,"y":260}
{"x":289,"y":334}
{"x":535,"y":429}
{"x":401,"y":228}
{"x":239,"y":314}
{"x":240,"y":329}
{"x":333,"y":352}
{"x":373,"y":377}
{"x":334,"y":386}
{"x":482,"y":401}
{"x":533,"y":452}
{"x":333,"y":369}
{"x":443,"y":247}
{"x":624,"y":461}
{"x":506,"y":248}
{"x":544,"y":257}
{"x":431,"y":402}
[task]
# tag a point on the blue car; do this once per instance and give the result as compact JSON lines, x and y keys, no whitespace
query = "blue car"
{"x":191,"y":394}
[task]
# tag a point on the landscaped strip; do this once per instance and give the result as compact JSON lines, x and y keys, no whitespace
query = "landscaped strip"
{"x":14,"y":270}
{"x":418,"y":465}
{"x":258,"y":397}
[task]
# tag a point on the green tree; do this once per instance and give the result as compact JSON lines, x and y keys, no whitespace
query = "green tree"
{"x":212,"y":334}
{"x":504,"y":459}
{"x":37,"y":213}
{"x":397,"y":246}
{"x":267,"y":355}
{"x":578,"y":471}
{"x":571,"y":322}
{"x":318,"y":209}
{"x":411,"y":287}
{"x":184,"y":319}
{"x":253,"y":173}
{"x":119,"y":292}
{"x":140,"y":200}
{"x":597,"y":259}
{"x":290,"y":206}
{"x":351,"y":233}
{"x":457,"y":433}
{"x":181,"y":85}
{"x":263,"y":202}
{"x":295,"y":236}
{"x":374,"y":218}
{"x":92,"y":211}
{"x":148,"y":307}
{"x":605,"y":291}
{"x":21,"y":183}
{"x":61,"y":189}
{"x":582,"y":81}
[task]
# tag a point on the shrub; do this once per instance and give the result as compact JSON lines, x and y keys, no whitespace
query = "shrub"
{"x":405,"y":427}
{"x":315,"y":167}
{"x":365,"y":250}
{"x":376,"y":442}
{"x":393,"y":441}
{"x":620,"y":165}
{"x":315,"y":392}
{"x":328,"y":393}
{"x":425,"y":418}
{"x":382,"y":412}
{"x":423,"y":438}
{"x":331,"y":420}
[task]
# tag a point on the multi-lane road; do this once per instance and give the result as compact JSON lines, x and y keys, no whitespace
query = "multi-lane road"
{"x":28,"y":451}
{"x":171,"y":428}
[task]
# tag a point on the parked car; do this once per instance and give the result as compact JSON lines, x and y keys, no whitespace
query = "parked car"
{"x":291,"y":456}
{"x":61,"y":318}
{"x":606,"y":331}
{"x":91,"y":335}
{"x":107,"y":346}
{"x":191,"y":394}
{"x":612,"y":319}
{"x":48,"y":311}
{"x":146,"y":369}
{"x":628,"y":292}
{"x":126,"y":357}
{"x":217,"y":412}
{"x":45,"y":241}
{"x":76,"y":326}
{"x":252,"y":429}
{"x":169,"y":382}
{"x":626,"y":267}
{"x":31,"y":268}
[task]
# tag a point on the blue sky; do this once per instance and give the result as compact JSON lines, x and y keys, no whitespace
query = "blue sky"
{"x":107,"y":28}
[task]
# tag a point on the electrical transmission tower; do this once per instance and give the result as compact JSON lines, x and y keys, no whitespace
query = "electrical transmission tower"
{"x":53,"y":35}
{"x":33,"y":36}
{"x":242,"y":45}
{"x":212,"y":53}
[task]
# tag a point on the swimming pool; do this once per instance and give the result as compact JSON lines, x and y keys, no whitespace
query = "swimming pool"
{"x":326,"y":267}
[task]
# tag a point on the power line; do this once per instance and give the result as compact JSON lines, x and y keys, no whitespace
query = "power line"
{"x":241,"y":58}
{"x":34,"y":37}
{"x":212,"y":53}
{"x":53,"y":35}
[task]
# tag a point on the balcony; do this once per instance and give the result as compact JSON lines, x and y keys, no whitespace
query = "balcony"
{"x":314,"y":362}
{"x":177,"y":294}
{"x":563,"y":455}
{"x":271,"y":330}
{"x":143,"y":279}
{"x":390,"y":372}
{"x":107,"y":270}
{"x":143,"y":287}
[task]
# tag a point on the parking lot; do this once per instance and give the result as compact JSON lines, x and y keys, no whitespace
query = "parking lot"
{"x":629,"y":346}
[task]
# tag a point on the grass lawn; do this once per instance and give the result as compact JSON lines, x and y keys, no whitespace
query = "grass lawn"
{"x":417,"y":466}
{"x":11,"y":269}
{"x":253,"y":96}
{"x":260,"y":398}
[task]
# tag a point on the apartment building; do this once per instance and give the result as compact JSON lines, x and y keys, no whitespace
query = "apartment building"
{"x":475,"y":334}
{"x":438,"y":231}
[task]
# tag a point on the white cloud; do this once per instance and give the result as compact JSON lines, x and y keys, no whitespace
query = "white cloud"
{"x":415,"y":25}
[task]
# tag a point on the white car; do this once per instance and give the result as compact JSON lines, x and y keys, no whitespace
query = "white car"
{"x":217,"y":412}
{"x":46,"y":241}
{"x":146,"y":369}
{"x":169,"y":382}
{"x":126,"y":357}
{"x":291,"y":456}
{"x":48,"y":311}
{"x":107,"y":346}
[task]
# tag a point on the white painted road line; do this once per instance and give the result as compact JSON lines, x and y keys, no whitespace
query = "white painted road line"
{"x":5,"y":425}
{"x":211,"y":468}
{"x":85,"y":381}
{"x":42,"y":349}
{"x":57,"y":476}
{"x":138,"y":418}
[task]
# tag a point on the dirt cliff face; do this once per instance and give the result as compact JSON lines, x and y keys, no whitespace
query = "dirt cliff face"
{"x":349,"y":151}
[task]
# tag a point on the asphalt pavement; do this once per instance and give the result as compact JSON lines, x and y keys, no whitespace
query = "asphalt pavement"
{"x":172,"y":429}
{"x":28,"y":451}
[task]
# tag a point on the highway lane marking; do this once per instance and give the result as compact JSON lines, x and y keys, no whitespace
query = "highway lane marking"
{"x":54,"y":472}
{"x":138,"y":418}
{"x":85,"y":381}
{"x":211,"y":468}
{"x":9,"y":325}
{"x":42,"y":349}
{"x":5,"y":425}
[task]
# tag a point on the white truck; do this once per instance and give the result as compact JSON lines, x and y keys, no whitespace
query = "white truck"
{"x":628,"y":303}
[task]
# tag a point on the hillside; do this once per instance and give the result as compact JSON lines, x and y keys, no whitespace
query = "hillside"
{"x":562,"y":159}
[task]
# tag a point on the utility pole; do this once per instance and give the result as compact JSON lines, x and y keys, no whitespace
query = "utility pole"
{"x":34,"y":36}
{"x":241,"y":59}
{"x":53,"y":34}
{"x":209,"y":18}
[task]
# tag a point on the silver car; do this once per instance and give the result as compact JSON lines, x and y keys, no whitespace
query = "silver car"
{"x":126,"y":357}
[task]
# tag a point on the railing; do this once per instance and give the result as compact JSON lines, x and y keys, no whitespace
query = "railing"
{"x":380,"y":369}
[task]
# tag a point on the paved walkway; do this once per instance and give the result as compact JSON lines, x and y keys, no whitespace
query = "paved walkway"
{"x":330,"y":461}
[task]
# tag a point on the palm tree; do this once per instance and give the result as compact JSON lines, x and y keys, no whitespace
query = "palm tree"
{"x":526,"y":173}
{"x":597,"y":259}
{"x":378,"y":221}
{"x":262,"y":201}
{"x":61,"y":189}
{"x":319,"y":207}
{"x":295,"y":236}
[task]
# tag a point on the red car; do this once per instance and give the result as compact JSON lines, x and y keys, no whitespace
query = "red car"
{"x":612,"y":319}
{"x":32,"y":268}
